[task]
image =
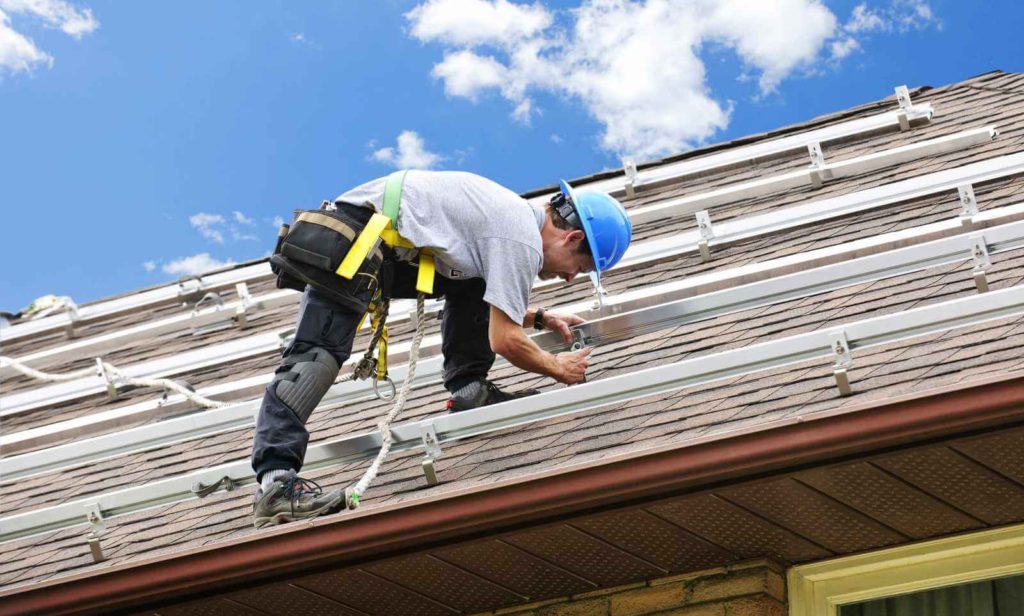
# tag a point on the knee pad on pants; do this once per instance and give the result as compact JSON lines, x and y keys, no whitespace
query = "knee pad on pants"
{"x":307,"y":379}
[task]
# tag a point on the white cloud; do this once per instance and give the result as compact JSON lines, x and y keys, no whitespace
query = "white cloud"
{"x":241,"y":218}
{"x":206,"y":223}
{"x":898,"y":16}
{"x":477,"y":22}
{"x":277,"y":222}
{"x":149,"y":266}
{"x":636,"y":66}
{"x":556,"y":138}
{"x":298,"y":37}
{"x":194,"y":265}
{"x":409,"y":153}
{"x":843,"y":47}
{"x":55,"y":14}
{"x":19,"y":53}
{"x":466,"y":74}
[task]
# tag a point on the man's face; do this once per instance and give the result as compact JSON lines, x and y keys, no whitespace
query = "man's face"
{"x":564,"y":259}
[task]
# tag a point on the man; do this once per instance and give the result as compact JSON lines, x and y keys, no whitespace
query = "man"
{"x":489,"y":245}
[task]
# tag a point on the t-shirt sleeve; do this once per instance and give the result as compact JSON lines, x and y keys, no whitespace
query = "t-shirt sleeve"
{"x":509,"y":268}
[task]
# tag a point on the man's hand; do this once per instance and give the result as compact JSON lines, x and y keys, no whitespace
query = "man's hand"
{"x":561,"y":323}
{"x":572,"y":366}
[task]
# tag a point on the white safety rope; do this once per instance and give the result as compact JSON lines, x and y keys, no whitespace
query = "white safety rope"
{"x":385,"y":426}
{"x":119,"y":378}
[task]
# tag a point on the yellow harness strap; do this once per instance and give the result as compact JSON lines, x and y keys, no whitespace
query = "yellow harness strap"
{"x":381,"y":227}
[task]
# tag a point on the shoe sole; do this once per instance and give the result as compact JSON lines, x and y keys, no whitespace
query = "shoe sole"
{"x":286,"y":516}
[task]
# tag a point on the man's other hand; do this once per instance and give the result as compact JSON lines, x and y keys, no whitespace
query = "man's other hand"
{"x":573,"y":366}
{"x":561,"y":323}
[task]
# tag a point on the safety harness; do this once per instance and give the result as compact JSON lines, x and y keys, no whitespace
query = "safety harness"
{"x":382,"y":227}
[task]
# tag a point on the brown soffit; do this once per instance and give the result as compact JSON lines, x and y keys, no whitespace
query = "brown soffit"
{"x":497,"y":507}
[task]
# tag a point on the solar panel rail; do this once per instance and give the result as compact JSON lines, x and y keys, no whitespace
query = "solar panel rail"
{"x":433,"y":433}
{"x":700,"y":239}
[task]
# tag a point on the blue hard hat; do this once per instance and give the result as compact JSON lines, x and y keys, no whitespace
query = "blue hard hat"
{"x":605,"y":223}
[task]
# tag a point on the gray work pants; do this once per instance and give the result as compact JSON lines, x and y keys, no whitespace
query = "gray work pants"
{"x":281,"y":437}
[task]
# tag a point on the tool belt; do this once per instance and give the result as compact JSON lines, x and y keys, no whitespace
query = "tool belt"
{"x":348,"y":254}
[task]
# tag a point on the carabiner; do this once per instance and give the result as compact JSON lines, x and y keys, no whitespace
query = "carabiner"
{"x":394,"y":390}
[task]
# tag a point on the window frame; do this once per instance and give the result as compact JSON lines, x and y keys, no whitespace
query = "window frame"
{"x":819,"y":589}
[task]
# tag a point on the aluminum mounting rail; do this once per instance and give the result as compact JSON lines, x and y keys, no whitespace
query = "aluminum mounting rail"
{"x":904,"y":116}
{"x":213,"y":355}
{"x":135,"y":301}
{"x":82,"y":427}
{"x":700,"y":239}
{"x":645,"y":312}
{"x":231,"y":314}
{"x":432,"y":433}
{"x":813,"y":175}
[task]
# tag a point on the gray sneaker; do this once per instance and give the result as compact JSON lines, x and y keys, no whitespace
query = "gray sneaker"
{"x":293,"y":498}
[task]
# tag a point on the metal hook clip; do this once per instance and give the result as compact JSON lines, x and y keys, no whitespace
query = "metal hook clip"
{"x":394,"y":390}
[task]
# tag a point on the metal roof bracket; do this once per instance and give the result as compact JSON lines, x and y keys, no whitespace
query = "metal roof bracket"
{"x":970,"y":205}
{"x":841,"y":353}
{"x":706,"y":234}
{"x":73,"y":318}
{"x":817,"y":164}
{"x":95,"y":548}
{"x":189,"y":287}
{"x":95,"y":517}
{"x":906,"y":107}
{"x":982,"y":262}
{"x":241,"y":314}
{"x":103,"y":374}
{"x":629,"y":168}
{"x":599,"y":292}
{"x":432,"y":450}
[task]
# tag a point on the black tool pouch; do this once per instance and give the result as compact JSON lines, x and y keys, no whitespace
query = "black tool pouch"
{"x":310,"y":250}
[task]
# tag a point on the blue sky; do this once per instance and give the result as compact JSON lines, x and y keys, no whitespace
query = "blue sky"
{"x":144,"y":140}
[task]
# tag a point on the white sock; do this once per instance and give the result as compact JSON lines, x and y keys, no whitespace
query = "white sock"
{"x":270,"y":476}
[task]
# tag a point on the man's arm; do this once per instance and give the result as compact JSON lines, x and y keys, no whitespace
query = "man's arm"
{"x":510,"y":341}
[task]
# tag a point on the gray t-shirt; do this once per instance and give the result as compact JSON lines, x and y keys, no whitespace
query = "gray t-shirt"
{"x":476,"y":228}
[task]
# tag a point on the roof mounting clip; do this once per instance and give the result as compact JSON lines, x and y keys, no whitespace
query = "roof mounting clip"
{"x":432,"y":445}
{"x":970,"y":205}
{"x":94,"y":515}
{"x":101,"y":371}
{"x":241,"y":316}
{"x":818,"y":167}
{"x":841,"y":352}
{"x":187,"y":287}
{"x":73,"y":318}
{"x":599,"y":292}
{"x":201,"y":489}
{"x":982,"y":262}
{"x":906,"y":107}
{"x":629,"y":168}
{"x":707,"y":233}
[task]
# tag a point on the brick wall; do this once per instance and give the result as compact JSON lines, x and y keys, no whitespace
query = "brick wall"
{"x":747,"y":589}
